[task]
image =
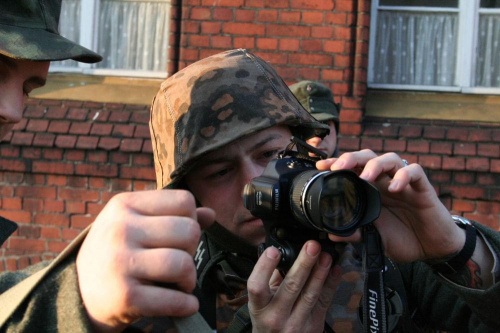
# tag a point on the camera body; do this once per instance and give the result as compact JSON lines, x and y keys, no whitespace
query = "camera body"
{"x":297,"y":202}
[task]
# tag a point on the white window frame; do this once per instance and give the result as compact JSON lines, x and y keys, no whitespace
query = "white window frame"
{"x":88,"y":39}
{"x":468,"y":11}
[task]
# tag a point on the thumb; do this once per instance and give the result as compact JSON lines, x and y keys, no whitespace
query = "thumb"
{"x":205,"y":217}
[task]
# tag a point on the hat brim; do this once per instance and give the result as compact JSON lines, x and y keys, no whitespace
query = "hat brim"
{"x":41,"y":45}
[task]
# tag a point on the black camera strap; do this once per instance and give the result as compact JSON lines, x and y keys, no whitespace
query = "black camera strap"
{"x":374,"y":307}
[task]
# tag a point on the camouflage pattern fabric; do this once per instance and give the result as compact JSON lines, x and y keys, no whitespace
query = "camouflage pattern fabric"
{"x":29,"y":30}
{"x":216,"y":101}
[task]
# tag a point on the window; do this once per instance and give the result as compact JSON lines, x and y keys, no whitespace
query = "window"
{"x":447,"y":45}
{"x":131,"y":35}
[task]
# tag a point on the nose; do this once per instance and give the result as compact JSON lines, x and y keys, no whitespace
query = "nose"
{"x":315,"y":141}
{"x":250,"y":171}
{"x":11,"y":104}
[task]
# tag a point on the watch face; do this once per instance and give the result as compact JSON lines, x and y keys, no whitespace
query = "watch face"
{"x":460,"y":221}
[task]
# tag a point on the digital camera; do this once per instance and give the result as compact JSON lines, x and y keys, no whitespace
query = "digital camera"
{"x":297,"y":202}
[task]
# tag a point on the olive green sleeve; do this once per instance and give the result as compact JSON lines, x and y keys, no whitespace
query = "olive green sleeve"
{"x":445,"y":305}
{"x":54,"y":306}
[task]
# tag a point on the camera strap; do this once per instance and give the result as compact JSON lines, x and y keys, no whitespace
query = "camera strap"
{"x":374,"y":307}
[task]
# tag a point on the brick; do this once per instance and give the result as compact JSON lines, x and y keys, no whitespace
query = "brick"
{"x":28,"y":231}
{"x":479,"y":135}
{"x":418,"y":147}
{"x":394,"y":145}
{"x":109,"y":143}
{"x":245,"y":15}
{"x":269,"y":15}
{"x":98,"y":170}
{"x":457,"y":134}
{"x":244,"y":42}
{"x":273,"y":57}
{"x":147,"y":147}
{"x":254,"y":3}
{"x":267,"y":43}
{"x":439,"y":177}
{"x":50,"y":233}
{"x":464,"y":149}
{"x":342,"y":61}
{"x":201,"y":14}
{"x":75,"y":155}
{"x":76,"y":181}
{"x":137,"y":173}
{"x":477,"y":164}
{"x":276,"y":4}
{"x":464,"y":178}
{"x":287,"y":44}
{"x":94,"y":208}
{"x":495,"y":166}
{"x":331,"y":74}
{"x":119,"y":157}
{"x":44,"y":140}
{"x":56,"y":246}
{"x":99,"y":183}
{"x":143,"y":186}
{"x":310,"y":59}
{"x":489,"y":150}
{"x":341,"y":33}
{"x":77,"y":114}
{"x":21,"y":125}
{"x":9,"y":151}
{"x":27,"y":245}
{"x":430,"y":161}
{"x":372,"y":143}
{"x":18,"y":216}
{"x":97,"y":157}
{"x":53,"y":154}
{"x":34,"y":111}
{"x":142,"y":159}
{"x":37,"y":125}
{"x":54,"y":206}
{"x":22,"y":139}
{"x":289,"y":17}
{"x":99,"y":115}
{"x":488,"y":179}
{"x":141,"y":117}
{"x":65,"y":141}
{"x":11,"y":204}
{"x":77,"y":194}
{"x":56,"y":180}
{"x":410,"y":131}
{"x":223,"y":3}
{"x":87,"y":142}
{"x":313,"y":4}
{"x":444,"y":148}
{"x":464,"y":205}
{"x":222,"y":42}
{"x":349,"y":144}
{"x":81,"y":222}
{"x":336,"y":18}
{"x":131,"y":145}
{"x":80,"y":128}
{"x":311,"y":45}
{"x":464,"y":192}
{"x":453,"y":163}
{"x":32,"y":205}
{"x":350,"y":129}
{"x":312,"y":17}
{"x":75,"y":207}
{"x":69,"y":234}
{"x":211,"y":28}
{"x":59,"y":168}
{"x":288,"y":30}
{"x":309,"y":73}
{"x":488,"y":207}
{"x":56,"y":112}
{"x":334,"y":46}
{"x":200,"y":41}
{"x":14,"y":165}
{"x":59,"y":126}
{"x":434,"y":133}
{"x":488,"y":220}
{"x":243,"y":29}
{"x":385,"y":130}
{"x":119,"y":116}
{"x":322,"y":32}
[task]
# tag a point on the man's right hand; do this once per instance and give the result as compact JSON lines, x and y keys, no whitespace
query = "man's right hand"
{"x":139,"y":241}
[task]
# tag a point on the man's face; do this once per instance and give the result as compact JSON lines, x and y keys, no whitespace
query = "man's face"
{"x":329,"y":142}
{"x":17,"y":79}
{"x":218,"y":180}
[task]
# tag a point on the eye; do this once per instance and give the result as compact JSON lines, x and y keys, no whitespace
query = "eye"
{"x":218,"y":174}
{"x":270,"y":154}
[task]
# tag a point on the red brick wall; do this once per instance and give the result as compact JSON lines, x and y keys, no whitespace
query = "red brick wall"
{"x":66,"y":159}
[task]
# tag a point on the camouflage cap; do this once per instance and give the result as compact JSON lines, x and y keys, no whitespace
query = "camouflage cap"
{"x":29,"y":30}
{"x":214,"y":102}
{"x":317,"y":99}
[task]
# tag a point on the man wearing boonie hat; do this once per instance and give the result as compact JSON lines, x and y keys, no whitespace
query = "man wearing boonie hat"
{"x":317,"y":99}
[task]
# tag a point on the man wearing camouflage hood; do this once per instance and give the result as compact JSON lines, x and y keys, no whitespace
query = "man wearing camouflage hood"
{"x":215,"y":125}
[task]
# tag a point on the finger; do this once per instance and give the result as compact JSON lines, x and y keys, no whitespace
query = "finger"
{"x":205,"y":217}
{"x":259,"y":292}
{"x":295,"y":279}
{"x":325,"y":164}
{"x":165,"y":232}
{"x":164,"y":265}
{"x":155,"y":203}
{"x":388,"y":163}
{"x":153,"y":301}
{"x":276,"y":280}
{"x":328,"y":291}
{"x":313,"y":288}
{"x":412,"y":174}
{"x":353,"y":160}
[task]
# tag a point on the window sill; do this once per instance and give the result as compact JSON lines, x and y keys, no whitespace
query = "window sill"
{"x":425,"y":105}
{"x":102,"y":89}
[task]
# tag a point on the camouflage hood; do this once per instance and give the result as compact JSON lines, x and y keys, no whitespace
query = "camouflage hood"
{"x":214,"y":102}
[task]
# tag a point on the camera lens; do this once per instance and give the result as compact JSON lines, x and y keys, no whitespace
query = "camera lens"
{"x":327,"y":201}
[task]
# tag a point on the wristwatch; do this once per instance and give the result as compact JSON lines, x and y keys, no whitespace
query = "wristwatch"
{"x":454,"y":264}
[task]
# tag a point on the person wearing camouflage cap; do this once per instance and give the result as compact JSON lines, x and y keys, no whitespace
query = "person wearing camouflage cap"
{"x":214,"y":126}
{"x":317,"y":99}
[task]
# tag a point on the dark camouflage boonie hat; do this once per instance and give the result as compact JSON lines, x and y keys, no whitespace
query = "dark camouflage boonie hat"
{"x":216,"y":101}
{"x":29,"y":31}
